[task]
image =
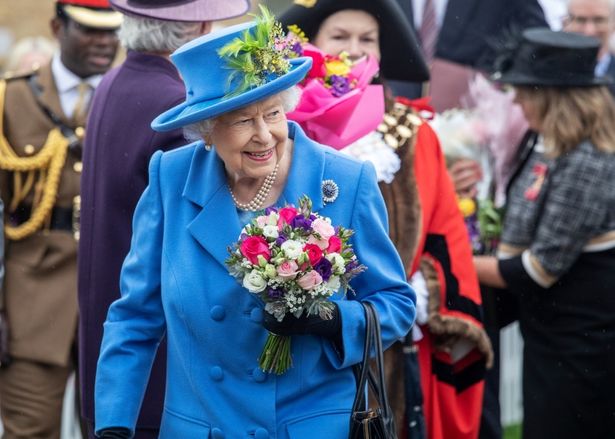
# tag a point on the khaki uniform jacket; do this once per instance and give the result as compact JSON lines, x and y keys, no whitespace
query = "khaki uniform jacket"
{"x":41,"y":269}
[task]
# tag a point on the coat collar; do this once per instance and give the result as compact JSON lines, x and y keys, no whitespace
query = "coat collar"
{"x":49,"y":96}
{"x":217,"y":224}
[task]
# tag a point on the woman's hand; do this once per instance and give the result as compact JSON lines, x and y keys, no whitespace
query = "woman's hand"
{"x":305,"y":325}
{"x":466,"y":173}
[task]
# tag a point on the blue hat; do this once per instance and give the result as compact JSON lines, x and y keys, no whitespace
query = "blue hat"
{"x":214,"y":86}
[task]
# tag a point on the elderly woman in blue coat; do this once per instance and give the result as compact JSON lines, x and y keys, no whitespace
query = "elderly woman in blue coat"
{"x":174,"y":281}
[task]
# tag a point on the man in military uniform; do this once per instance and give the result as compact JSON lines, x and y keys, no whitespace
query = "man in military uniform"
{"x":43,"y":115}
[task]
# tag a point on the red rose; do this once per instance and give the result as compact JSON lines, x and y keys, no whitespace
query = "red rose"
{"x":287,"y":214}
{"x":318,"y":62}
{"x":314,"y":253}
{"x":335,"y":244}
{"x":253,"y":246}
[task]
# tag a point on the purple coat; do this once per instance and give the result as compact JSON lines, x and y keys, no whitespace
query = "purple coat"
{"x":118,"y":147}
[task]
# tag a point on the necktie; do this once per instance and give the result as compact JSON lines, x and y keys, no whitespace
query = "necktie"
{"x":429,"y":29}
{"x":81,"y":106}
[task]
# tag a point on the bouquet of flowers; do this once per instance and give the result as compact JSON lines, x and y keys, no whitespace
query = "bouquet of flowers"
{"x":339,"y":104}
{"x":294,"y":260}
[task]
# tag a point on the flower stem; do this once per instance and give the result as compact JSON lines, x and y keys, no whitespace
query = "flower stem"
{"x":276,"y":355}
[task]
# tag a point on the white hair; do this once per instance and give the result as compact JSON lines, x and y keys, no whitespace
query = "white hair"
{"x":611,"y":4}
{"x":152,"y":35}
{"x":203,"y":129}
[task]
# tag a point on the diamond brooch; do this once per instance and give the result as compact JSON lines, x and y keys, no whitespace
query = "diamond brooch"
{"x":330,"y":191}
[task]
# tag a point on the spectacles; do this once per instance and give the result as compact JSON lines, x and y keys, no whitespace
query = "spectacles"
{"x":584,"y":21}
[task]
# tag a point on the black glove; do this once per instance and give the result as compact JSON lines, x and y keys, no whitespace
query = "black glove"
{"x":305,"y":325}
{"x":114,"y":433}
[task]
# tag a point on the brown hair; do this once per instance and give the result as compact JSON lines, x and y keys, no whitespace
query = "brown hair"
{"x":571,"y":115}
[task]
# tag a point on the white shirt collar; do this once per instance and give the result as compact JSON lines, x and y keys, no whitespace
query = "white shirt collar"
{"x":66,"y":80}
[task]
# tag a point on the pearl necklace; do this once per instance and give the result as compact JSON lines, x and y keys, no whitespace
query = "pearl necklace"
{"x":256,"y":203}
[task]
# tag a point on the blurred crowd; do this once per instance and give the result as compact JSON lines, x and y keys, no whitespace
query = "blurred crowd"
{"x":490,"y":124}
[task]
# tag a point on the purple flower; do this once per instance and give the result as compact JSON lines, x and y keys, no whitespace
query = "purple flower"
{"x":301,"y":222}
{"x":324,"y":268}
{"x":297,"y":48}
{"x":339,"y":85}
{"x":351,"y":265}
{"x":280,"y":240}
{"x":270,"y":209}
{"x":274,"y":293}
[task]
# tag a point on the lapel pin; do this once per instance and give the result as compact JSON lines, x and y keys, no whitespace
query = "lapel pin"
{"x":330,"y":191}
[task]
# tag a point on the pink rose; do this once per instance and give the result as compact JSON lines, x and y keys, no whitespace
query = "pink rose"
{"x":288,"y":270}
{"x":262,"y":220}
{"x":310,"y":280}
{"x":314,"y":253}
{"x":323,"y":228}
{"x":321,"y":243}
{"x":253,"y":247}
{"x":287,"y":214}
{"x":335,"y":245}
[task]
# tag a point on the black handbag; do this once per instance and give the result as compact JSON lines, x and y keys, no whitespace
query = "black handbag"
{"x":366,"y":422}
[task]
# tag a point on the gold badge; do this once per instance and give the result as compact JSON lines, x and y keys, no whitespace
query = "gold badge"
{"x":305,"y":3}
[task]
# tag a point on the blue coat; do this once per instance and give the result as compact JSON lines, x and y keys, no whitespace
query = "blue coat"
{"x":174,"y":281}
{"x":118,"y":147}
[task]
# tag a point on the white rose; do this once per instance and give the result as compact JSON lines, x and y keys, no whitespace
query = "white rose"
{"x":254,"y":282}
{"x":272,"y":219}
{"x":270,"y":231}
{"x":339,"y":266}
{"x":292,"y":249}
{"x":333,"y":283}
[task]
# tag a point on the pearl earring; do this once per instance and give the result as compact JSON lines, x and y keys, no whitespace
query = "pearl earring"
{"x":208,"y":147}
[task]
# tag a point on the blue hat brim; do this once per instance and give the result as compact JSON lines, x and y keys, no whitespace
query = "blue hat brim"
{"x":185,"y":114}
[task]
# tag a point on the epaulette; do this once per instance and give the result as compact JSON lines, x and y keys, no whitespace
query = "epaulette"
{"x":10,"y":76}
{"x":399,"y":124}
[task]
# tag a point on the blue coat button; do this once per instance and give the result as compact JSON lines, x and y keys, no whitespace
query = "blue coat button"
{"x":217,"y":313}
{"x":216,"y":433}
{"x":259,"y":375}
{"x":256,"y":315}
{"x":216,"y":373}
{"x":261,"y":433}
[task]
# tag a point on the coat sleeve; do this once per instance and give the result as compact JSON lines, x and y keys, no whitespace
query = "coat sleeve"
{"x":135,"y":322}
{"x":383,"y":283}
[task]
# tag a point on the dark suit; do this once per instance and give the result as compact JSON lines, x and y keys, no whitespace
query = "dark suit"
{"x":469,"y":27}
{"x":119,"y":144}
{"x":610,"y":73}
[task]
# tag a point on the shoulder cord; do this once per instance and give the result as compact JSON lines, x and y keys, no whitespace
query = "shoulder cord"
{"x":399,"y":124}
{"x":50,"y":158}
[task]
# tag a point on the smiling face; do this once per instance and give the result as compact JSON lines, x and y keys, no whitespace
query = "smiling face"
{"x":85,"y":51}
{"x":252,"y":140}
{"x":353,"y":31}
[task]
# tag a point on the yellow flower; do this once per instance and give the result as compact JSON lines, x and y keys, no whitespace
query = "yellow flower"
{"x":337,"y":67}
{"x":467,"y":206}
{"x":305,"y":3}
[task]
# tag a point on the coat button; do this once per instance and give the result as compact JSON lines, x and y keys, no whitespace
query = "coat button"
{"x":217,"y":313}
{"x":216,"y":373}
{"x":261,"y":433}
{"x":216,"y":433}
{"x":256,"y":315}
{"x":259,"y":375}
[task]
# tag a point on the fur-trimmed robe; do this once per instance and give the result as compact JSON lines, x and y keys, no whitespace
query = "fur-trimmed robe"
{"x":430,"y":235}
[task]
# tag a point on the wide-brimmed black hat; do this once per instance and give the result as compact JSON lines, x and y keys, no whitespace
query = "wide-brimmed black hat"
{"x":401,"y":56}
{"x":183,"y":10}
{"x":550,"y":58}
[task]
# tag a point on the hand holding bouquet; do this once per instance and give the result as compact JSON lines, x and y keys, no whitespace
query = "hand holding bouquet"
{"x":294,"y":260}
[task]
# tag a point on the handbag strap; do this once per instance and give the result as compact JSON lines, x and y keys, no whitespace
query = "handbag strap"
{"x":373,"y":337}
{"x":361,"y":370}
